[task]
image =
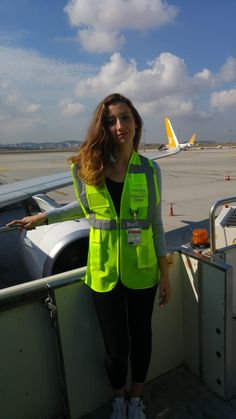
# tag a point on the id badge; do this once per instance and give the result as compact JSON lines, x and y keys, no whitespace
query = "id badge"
{"x":134,"y":236}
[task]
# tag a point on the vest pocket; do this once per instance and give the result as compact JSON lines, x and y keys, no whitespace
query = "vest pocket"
{"x":95,"y":254}
{"x":146,"y":251}
{"x":97,"y":200}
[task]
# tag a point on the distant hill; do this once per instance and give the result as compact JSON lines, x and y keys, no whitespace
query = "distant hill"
{"x":32,"y":146}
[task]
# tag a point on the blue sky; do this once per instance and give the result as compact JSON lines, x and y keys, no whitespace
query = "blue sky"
{"x":59,"y":58}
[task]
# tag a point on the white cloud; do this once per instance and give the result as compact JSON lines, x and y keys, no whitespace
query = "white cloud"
{"x":18,"y":114}
{"x":223,"y":100}
{"x":227,"y":72}
{"x":17,"y":127}
{"x":27,"y":65}
{"x":100,"y":20}
{"x":177,"y":106}
{"x":100,"y":41}
{"x":33,"y":107}
{"x":31,"y":86}
{"x":16,"y":110}
{"x":70,"y":108}
{"x":164,"y":86}
{"x":165,"y":75}
{"x":4,"y":84}
{"x":204,"y":79}
{"x":109,"y":78}
{"x":47,"y":99}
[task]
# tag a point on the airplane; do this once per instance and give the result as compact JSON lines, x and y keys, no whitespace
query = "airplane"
{"x":189,"y":144}
{"x":59,"y":247}
{"x":172,"y":138}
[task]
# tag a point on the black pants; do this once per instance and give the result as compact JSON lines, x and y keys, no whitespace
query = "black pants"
{"x":125,"y":319}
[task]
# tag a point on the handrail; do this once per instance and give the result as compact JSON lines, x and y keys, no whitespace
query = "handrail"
{"x":53,"y":281}
{"x":212,"y":220}
{"x":5,"y":229}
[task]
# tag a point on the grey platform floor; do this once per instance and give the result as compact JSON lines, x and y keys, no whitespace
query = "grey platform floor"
{"x":179,"y":395}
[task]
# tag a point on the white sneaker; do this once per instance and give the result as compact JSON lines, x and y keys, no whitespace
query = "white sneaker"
{"x":136,"y":409}
{"x":119,"y":408}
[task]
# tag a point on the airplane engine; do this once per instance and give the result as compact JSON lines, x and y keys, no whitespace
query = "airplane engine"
{"x":54,"y":248}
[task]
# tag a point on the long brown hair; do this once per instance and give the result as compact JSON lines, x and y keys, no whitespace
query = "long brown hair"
{"x":95,"y":153}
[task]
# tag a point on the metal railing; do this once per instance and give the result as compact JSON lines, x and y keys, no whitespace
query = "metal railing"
{"x":5,"y":229}
{"x":42,"y":284}
{"x":212,"y":213}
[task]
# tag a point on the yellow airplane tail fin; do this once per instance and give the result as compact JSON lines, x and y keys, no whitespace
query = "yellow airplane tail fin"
{"x":192,"y":139}
{"x":172,"y":139}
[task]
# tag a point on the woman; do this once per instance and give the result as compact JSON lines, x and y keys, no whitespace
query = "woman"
{"x":119,"y":193}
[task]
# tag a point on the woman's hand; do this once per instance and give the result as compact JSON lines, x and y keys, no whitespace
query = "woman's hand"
{"x":29,"y":222}
{"x":164,"y":284}
{"x":164,"y":290}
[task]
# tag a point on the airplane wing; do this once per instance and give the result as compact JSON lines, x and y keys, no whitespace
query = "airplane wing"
{"x":156,"y":155}
{"x":12,"y":193}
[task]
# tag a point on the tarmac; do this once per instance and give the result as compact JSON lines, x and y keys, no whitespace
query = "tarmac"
{"x":191,"y":182}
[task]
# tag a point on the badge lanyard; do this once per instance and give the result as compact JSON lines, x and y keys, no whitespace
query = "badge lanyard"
{"x":134,"y":234}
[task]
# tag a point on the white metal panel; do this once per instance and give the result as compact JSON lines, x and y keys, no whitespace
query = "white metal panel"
{"x":29,"y":367}
{"x":233,"y":366}
{"x":83,"y":350}
{"x":167,"y":326}
{"x":190,"y":308}
{"x":213,"y":328}
{"x":230,"y":258}
{"x":208,"y":331}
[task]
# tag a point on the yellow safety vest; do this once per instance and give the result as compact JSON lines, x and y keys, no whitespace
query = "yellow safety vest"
{"x":121,"y":247}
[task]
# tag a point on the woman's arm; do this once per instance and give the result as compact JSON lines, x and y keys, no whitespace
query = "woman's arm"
{"x":64,"y":213}
{"x":157,"y":224}
{"x":29,"y":222}
{"x":160,"y":246}
{"x":164,"y":285}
